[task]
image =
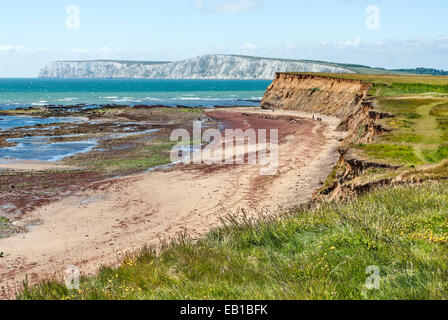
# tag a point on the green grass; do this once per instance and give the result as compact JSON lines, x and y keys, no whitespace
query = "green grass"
{"x":393,"y":89}
{"x":403,"y":138}
{"x":418,"y":132}
{"x":397,"y":154}
{"x":406,"y":108}
{"x":435,"y":156}
{"x":321,"y":253}
{"x":384,"y":85}
{"x":385,"y":78}
{"x":189,"y":110}
{"x":141,"y":158}
{"x":441,"y":113}
{"x":4,"y":220}
{"x":152,"y":154}
{"x":435,"y":172}
{"x":440,"y":110}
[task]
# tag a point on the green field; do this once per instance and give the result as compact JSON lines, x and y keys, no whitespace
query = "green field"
{"x":419,"y":131}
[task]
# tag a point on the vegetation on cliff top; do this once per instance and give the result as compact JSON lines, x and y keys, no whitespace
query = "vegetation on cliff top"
{"x":385,"y":85}
{"x":424,"y":71}
{"x":418,"y":132}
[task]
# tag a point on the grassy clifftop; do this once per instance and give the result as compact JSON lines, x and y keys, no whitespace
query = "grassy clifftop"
{"x":418,"y":132}
{"x":398,"y":135}
{"x":392,"y":85}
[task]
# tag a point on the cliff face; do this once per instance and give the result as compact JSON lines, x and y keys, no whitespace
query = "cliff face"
{"x":309,"y":93}
{"x":347,"y":100}
{"x":205,"y":67}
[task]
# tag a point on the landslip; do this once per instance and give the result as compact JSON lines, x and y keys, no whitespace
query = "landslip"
{"x":357,"y":100}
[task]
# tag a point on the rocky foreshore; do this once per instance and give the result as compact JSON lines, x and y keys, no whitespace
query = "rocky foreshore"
{"x":128,"y":139}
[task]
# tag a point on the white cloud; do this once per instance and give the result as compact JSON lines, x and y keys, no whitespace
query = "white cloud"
{"x":351,"y":43}
{"x":249,"y":46}
{"x":95,"y":51}
{"x":420,"y":52}
{"x":18,"y":60}
{"x":21,"y":61}
{"x":6,"y":48}
{"x":228,"y":6}
{"x":19,"y":49}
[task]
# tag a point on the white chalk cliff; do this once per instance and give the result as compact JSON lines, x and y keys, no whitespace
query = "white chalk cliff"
{"x":204,"y":67}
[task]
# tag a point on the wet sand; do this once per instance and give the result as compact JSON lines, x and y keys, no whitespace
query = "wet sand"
{"x":30,"y":165}
{"x":111,"y":218}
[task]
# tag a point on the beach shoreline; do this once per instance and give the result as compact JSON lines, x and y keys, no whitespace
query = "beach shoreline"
{"x":108,"y":219}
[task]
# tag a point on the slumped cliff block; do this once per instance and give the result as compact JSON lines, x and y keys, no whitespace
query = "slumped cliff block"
{"x":315,"y":94}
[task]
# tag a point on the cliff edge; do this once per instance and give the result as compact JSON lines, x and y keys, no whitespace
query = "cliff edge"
{"x":342,"y":98}
{"x":315,"y":94}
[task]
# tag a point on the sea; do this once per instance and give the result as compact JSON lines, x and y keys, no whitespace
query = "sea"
{"x":16,"y":93}
{"x":22,"y":93}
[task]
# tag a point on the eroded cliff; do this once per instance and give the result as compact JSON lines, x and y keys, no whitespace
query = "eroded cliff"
{"x":310,"y":93}
{"x":347,"y":100}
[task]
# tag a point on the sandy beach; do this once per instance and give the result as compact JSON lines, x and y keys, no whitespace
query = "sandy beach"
{"x":30,"y":165}
{"x":99,"y":225}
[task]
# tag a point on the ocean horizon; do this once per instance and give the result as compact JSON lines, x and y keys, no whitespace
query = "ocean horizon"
{"x":26,"y":92}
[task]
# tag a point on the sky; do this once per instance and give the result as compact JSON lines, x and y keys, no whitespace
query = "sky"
{"x":381,"y":33}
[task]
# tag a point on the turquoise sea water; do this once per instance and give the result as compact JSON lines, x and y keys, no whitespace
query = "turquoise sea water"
{"x":15,"y":93}
{"x":206,"y":93}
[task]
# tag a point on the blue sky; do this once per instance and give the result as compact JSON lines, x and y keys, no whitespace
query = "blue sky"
{"x":395,"y":34}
